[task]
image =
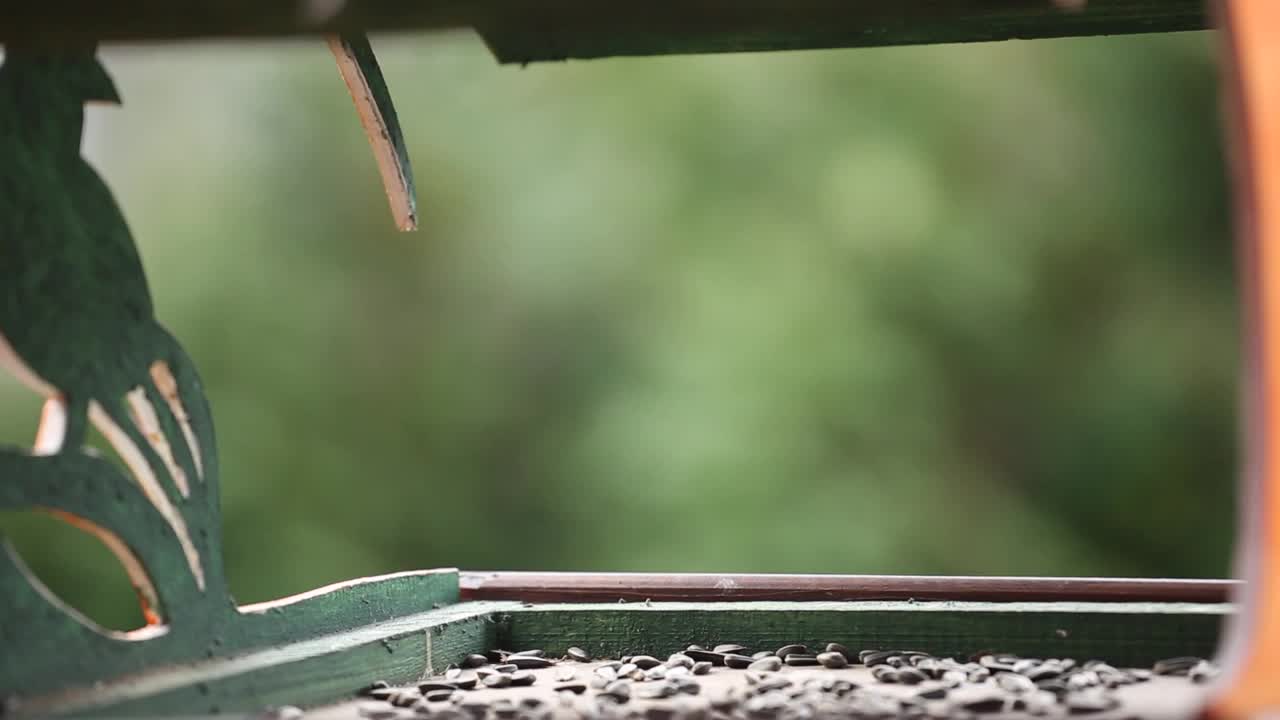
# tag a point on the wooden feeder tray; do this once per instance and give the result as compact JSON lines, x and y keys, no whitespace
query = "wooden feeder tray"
{"x":124,"y":374}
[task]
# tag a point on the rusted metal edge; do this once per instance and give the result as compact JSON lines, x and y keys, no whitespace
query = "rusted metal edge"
{"x":698,"y":587}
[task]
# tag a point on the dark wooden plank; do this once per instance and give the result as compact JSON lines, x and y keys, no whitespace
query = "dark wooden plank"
{"x":611,"y":587}
{"x":557,"y":29}
{"x":1133,"y":634}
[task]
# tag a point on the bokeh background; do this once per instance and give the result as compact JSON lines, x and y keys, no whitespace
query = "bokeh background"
{"x":957,"y":309}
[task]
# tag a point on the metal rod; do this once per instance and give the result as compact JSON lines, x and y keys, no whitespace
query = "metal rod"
{"x":638,"y":587}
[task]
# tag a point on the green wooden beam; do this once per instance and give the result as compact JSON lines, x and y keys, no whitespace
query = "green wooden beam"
{"x":321,"y":669}
{"x":314,"y":671}
{"x":1135,"y":634}
{"x":527,"y":30}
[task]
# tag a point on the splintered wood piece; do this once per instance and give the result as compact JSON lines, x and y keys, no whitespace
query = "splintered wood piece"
{"x":1251,"y":648}
{"x":360,"y":71}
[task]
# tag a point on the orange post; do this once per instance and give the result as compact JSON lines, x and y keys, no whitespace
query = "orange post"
{"x":1250,"y":651}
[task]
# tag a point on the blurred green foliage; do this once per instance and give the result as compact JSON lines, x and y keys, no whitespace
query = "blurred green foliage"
{"x":961,"y":309}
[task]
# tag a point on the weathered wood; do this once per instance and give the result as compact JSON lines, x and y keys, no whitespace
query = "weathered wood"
{"x":1125,"y":633}
{"x":693,"y":587}
{"x":360,"y":71}
{"x":557,"y":29}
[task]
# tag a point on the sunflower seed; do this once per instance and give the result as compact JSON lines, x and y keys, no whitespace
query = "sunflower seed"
{"x":497,"y":680}
{"x":529,"y":662}
{"x":577,"y":654}
{"x":523,"y":678}
{"x":1203,"y":672}
{"x":644,"y":662}
{"x":1057,"y":686}
{"x":701,"y":668}
{"x":439,"y":695}
{"x":714,"y":658}
{"x":872,"y":658}
{"x":1175,"y":666}
{"x":507,"y":668}
{"x":793,"y":649}
{"x":656,"y":691}
{"x":729,"y":648}
{"x":405,"y":698}
{"x":576,"y":688}
{"x":1015,"y":683}
{"x":619,"y":690}
{"x":657,"y":672}
{"x":766,"y":664}
{"x":996,"y":663}
{"x":884,"y":673}
{"x":801,"y":660}
{"x":833,"y":659}
{"x":936,"y":692}
{"x":738,"y":662}
{"x":466,"y":680}
{"x":911,"y":676}
{"x":1042,"y":672}
{"x":529,"y":653}
{"x":773,"y":681}
{"x":762,"y":654}
{"x":1090,"y":701}
{"x":929,"y":666}
{"x":680,"y":660}
{"x":838,"y":648}
{"x":979,"y":699}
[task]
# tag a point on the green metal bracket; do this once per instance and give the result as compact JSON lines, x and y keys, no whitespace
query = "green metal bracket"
{"x":77,"y":326}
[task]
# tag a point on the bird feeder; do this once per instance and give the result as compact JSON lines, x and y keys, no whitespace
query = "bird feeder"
{"x":78,"y":327}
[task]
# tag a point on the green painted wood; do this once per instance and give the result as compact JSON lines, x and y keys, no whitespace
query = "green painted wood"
{"x":1124,"y":633}
{"x":359,"y":67}
{"x":77,"y":325}
{"x":584,"y":30}
{"x":325,"y":669}
{"x":308,"y":672}
{"x":555,"y":29}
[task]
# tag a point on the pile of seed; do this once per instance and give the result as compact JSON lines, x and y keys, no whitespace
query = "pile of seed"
{"x":895,"y":684}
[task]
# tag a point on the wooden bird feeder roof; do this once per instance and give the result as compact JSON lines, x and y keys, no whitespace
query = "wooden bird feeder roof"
{"x":531,"y":31}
